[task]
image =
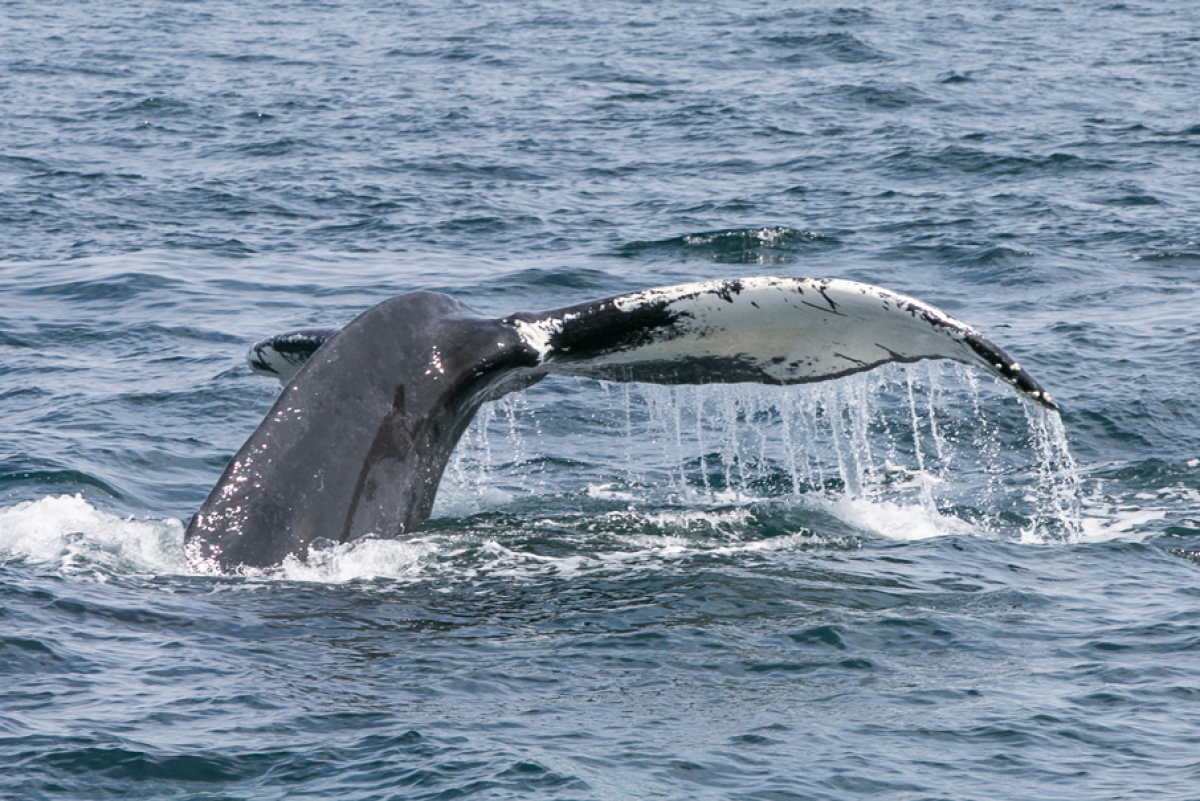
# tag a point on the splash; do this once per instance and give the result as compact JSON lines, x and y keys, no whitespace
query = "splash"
{"x":68,"y":533}
{"x":1058,"y":486}
{"x":904,"y":452}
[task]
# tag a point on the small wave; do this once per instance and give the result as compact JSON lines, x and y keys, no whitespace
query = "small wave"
{"x":464,"y":168}
{"x":972,"y":160}
{"x":24,"y":470}
{"x":280,"y":147}
{"x":993,"y":256}
{"x":778,"y":245}
{"x":1138,"y":199}
{"x":1187,"y":256}
{"x":148,"y":107}
{"x":121,"y":288}
{"x":840,"y":48}
{"x":887,"y":98}
{"x":956,"y":78}
{"x":25,"y":164}
{"x":521,"y":282}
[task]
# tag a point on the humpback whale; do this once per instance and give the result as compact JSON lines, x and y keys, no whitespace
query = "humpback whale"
{"x":356,"y":444}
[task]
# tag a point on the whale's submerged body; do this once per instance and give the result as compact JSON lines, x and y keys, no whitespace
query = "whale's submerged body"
{"x":357,"y":442}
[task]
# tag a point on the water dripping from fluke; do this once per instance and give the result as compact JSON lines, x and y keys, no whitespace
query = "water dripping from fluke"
{"x":905,"y":452}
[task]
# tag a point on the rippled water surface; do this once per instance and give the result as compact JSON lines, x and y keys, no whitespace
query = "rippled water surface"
{"x":907,"y":584}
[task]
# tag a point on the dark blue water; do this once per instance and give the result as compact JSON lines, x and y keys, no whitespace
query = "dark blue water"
{"x":897,"y":586}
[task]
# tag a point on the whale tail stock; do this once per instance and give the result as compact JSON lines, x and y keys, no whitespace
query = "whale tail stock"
{"x":357,"y":441}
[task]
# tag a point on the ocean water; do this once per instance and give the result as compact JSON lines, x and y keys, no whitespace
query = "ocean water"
{"x":905,"y":585}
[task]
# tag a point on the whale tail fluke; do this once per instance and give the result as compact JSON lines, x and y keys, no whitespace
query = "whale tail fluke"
{"x":761,"y":330}
{"x":357,"y":442}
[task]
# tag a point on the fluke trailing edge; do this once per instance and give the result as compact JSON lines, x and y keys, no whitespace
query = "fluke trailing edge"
{"x":357,"y":441}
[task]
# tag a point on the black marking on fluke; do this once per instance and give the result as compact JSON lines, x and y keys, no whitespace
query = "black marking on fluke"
{"x":358,"y":440}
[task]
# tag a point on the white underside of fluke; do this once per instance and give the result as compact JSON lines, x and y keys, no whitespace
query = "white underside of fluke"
{"x":792,"y":329}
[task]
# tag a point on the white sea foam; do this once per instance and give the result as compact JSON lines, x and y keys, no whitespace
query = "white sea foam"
{"x":891,"y":520}
{"x":68,"y":531}
{"x":1104,"y":518}
{"x":364,"y":559}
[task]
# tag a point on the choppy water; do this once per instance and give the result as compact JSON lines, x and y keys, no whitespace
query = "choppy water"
{"x":894,"y":586}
